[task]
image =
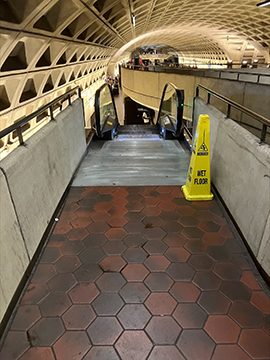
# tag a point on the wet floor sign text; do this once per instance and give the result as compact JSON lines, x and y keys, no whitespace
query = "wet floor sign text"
{"x":198,"y":178}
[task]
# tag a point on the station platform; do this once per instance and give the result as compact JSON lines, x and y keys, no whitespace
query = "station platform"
{"x":139,"y":273}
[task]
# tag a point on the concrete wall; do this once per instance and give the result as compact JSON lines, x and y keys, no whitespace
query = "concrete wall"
{"x":33,"y":179}
{"x":146,"y":88}
{"x":240,"y":170}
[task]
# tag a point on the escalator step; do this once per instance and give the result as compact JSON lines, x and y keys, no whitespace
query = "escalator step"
{"x":138,"y":131}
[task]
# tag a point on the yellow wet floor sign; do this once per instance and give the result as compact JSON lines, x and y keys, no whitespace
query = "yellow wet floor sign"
{"x":198,"y":179}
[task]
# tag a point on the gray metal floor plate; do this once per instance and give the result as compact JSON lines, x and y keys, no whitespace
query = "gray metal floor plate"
{"x":134,"y":162}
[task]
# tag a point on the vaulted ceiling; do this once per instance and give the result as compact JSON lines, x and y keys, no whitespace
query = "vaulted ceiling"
{"x":48,"y":44}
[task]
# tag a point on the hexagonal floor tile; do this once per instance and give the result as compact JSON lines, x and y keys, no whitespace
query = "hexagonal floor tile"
{"x":115,"y":234}
{"x":88,"y":272}
{"x":135,"y":255}
{"x":100,"y":216}
{"x":38,"y":353}
{"x":95,"y":240}
{"x":196,"y":345}
{"x":107,"y":304}
{"x":214,"y":302}
{"x":209,"y":226}
{"x":116,"y":247}
{"x":185,"y":292}
{"x":67,"y":264}
{"x":50,"y":255}
{"x":196,"y":246}
{"x":84,"y":293}
{"x":154,"y":234}
{"x":261,"y":300}
{"x":256,"y":343}
{"x":72,"y":345}
{"x":174,"y":240}
{"x":46,"y":331}
{"x":228,"y":271}
{"x":134,"y":316}
{"x":35,"y":293}
{"x":233,"y":352}
{"x":189,"y":316}
{"x":72,"y":247}
{"x":160,"y":304}
{"x":157,"y":263}
{"x":112,"y":264}
{"x":177,"y":254}
{"x":165,"y":352}
{"x":207,"y":280}
{"x":201,"y":262}
{"x":16,"y":343}
{"x":102,"y":353}
{"x":135,"y":272}
{"x":78,"y":317}
{"x":91,"y":255}
{"x":134,"y":240}
{"x":104,"y":331}
{"x":117,"y":222}
{"x":222,"y":329}
{"x":43,"y":273}
{"x":54,"y":304}
{"x":27,"y":315}
{"x":111,"y":282}
{"x":61,"y":283}
{"x":172,"y":227}
{"x":246,"y":315}
{"x":236,"y":291}
{"x":163,"y":330}
{"x":134,"y":227}
{"x":77,"y":234}
{"x":158,"y":281}
{"x":154,"y":247}
{"x":133,"y":345}
{"x":180,"y":271}
{"x":134,"y":293}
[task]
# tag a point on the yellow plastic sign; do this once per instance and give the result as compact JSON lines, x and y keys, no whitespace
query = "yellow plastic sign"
{"x":198,"y":179}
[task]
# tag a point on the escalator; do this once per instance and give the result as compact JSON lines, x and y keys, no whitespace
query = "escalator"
{"x":169,"y":124}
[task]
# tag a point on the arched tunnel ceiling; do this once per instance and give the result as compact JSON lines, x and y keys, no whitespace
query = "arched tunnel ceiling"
{"x":47,"y":44}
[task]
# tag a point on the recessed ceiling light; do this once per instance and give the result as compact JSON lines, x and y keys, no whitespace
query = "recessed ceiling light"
{"x":264,"y":3}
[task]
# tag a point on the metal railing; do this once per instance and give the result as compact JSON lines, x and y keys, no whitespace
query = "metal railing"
{"x":19,"y":124}
{"x":230,"y":103}
{"x":255,"y":76}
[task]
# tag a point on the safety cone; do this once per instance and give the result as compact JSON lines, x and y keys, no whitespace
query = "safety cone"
{"x":198,"y":179}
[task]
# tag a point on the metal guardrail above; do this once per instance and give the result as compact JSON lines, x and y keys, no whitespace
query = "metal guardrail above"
{"x":263,"y":120}
{"x":255,"y":76}
{"x":18,"y":125}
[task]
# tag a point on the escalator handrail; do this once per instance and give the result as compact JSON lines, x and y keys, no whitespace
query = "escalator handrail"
{"x":99,"y":130}
{"x":178,"y":93}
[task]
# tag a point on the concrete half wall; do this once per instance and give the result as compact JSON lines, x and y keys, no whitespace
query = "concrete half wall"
{"x":33,"y":179}
{"x":240,"y":170}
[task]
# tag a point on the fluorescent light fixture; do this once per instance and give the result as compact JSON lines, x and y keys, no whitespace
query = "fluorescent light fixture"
{"x":133,"y":19}
{"x":244,"y":62}
{"x":264,"y":3}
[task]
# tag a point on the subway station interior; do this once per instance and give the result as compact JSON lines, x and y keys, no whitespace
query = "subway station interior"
{"x":134,"y":180}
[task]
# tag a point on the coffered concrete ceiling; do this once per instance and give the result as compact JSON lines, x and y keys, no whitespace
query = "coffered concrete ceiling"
{"x":47,"y":44}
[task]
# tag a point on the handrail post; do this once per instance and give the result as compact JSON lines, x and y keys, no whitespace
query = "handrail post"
{"x":263,"y":133}
{"x":69,"y":100}
{"x":80,"y":92}
{"x":51,"y":113}
{"x":229,"y":111}
{"x":208,"y":97}
{"x":197,"y":91}
{"x":20,"y":136}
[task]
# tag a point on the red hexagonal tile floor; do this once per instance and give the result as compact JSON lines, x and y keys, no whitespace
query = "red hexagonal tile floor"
{"x":140,"y":273}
